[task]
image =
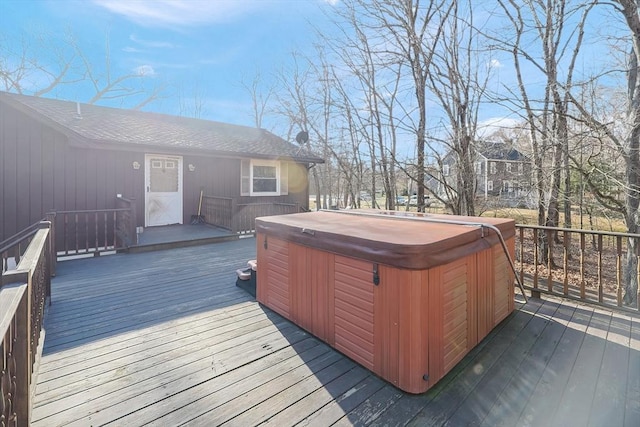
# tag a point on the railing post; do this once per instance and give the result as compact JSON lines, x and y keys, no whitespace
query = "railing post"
{"x":234,"y":213}
{"x":48,"y":261}
{"x":536,"y":251}
{"x":23,"y":361}
{"x":134,"y":221}
{"x":53,"y":254}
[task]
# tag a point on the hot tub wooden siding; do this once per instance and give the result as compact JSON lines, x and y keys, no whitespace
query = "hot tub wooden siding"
{"x":413,"y":323}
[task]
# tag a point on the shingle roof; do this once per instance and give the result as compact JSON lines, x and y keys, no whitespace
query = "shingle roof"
{"x":499,"y":151}
{"x":113,"y":126}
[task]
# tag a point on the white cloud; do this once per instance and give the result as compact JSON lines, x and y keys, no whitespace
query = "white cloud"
{"x":490,"y":126}
{"x":130,"y":49}
{"x":152,"y":43}
{"x":145,"y":70}
{"x":169,"y":13}
{"x":494,"y":63}
{"x":331,"y":2}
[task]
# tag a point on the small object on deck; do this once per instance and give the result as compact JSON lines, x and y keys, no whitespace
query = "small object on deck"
{"x":247,"y":277}
{"x":198,"y":219}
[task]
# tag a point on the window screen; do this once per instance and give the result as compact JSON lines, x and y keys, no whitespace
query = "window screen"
{"x":164,"y":176}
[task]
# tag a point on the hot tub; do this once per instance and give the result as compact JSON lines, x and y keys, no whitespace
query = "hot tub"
{"x":406,"y":295}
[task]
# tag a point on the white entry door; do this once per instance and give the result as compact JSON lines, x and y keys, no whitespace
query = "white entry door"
{"x":163,"y":184}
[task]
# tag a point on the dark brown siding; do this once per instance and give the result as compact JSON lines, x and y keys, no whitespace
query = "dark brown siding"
{"x":42,"y":172}
{"x":221,"y":178}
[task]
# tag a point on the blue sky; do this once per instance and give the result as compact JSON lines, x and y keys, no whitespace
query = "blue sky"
{"x":193,"y":45}
{"x":209,"y":46}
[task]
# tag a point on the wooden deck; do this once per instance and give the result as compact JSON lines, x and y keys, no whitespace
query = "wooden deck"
{"x":180,"y":235}
{"x":165,"y":338}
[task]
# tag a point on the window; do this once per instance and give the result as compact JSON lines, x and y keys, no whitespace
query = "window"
{"x":263,"y":178}
{"x":164,"y":176}
{"x":492,"y":168}
{"x":489,"y":185}
{"x":478,"y":168}
{"x":505,"y":187}
{"x":520,"y":167}
{"x":445,"y":170}
{"x":508,"y":166}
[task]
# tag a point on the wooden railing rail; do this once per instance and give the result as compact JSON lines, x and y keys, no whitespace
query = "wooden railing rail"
{"x":24,"y":293}
{"x":11,"y":249}
{"x":218,"y":211}
{"x":578,"y":264}
{"x":244,"y":217}
{"x":126,"y":221}
{"x":83,"y":232}
{"x":240,"y":218}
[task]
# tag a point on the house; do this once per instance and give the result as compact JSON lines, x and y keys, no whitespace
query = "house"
{"x":65,"y":156}
{"x":501,"y":172}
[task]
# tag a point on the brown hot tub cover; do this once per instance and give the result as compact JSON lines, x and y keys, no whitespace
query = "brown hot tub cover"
{"x":400,"y":239}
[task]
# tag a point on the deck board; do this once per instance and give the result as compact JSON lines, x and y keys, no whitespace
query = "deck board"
{"x":166,"y":338}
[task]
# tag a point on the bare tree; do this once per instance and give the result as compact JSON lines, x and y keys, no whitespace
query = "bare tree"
{"x":458,"y":79}
{"x":46,"y":63}
{"x":411,"y":28}
{"x":191,"y":99}
{"x":259,"y":96}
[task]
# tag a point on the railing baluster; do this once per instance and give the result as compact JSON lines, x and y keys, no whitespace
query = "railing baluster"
{"x":600,"y":290}
{"x":77,"y":225}
{"x":521,"y":255}
{"x":638,"y":270}
{"x":536,"y":251}
{"x":115,"y":245}
{"x":565,"y":266}
{"x":619,"y":270}
{"x":549,"y":235}
{"x":86,"y":231}
{"x":96,"y":220}
{"x":582,"y":251}
{"x":66,"y":234}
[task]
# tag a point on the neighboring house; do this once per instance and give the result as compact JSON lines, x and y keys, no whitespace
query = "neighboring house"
{"x":61,"y":156}
{"x":501,"y":172}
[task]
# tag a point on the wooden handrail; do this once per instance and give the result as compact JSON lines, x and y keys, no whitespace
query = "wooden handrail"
{"x":81,"y":232}
{"x":577,"y":230}
{"x":551,"y":261}
{"x":24,"y":292}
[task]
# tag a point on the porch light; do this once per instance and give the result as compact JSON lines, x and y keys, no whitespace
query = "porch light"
{"x":191,"y":167}
{"x":136,"y":165}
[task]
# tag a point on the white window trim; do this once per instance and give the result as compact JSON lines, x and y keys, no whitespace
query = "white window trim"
{"x":270,"y":163}
{"x":490,"y":185}
{"x":246,"y":176}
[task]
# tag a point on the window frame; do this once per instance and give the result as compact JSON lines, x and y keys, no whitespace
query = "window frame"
{"x":247,"y":167}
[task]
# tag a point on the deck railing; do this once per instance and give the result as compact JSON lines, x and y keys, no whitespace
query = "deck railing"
{"x":244,"y":218}
{"x":24,"y":293}
{"x":12,"y":249}
{"x":578,"y":264}
{"x":218,"y":211}
{"x":85,"y":232}
{"x":240,"y":218}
